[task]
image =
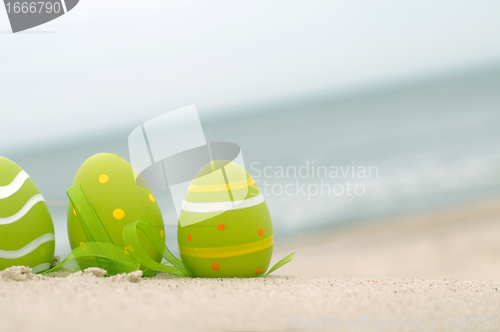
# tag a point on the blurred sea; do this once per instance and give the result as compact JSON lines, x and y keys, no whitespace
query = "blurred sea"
{"x":435,"y":143}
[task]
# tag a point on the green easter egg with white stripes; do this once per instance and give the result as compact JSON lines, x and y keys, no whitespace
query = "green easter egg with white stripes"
{"x":26,"y":229}
{"x":225,"y":229}
{"x":109,"y":182}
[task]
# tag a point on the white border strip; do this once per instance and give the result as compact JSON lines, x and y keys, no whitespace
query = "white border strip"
{"x":24,"y":210}
{"x":222,"y":206}
{"x":14,"y":186}
{"x":30,"y":247}
{"x":63,"y":3}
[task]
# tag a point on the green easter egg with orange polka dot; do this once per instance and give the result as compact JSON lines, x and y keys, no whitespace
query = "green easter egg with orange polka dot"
{"x":225,"y":228}
{"x":109,"y":182}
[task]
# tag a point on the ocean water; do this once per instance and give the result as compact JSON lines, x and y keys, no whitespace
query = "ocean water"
{"x":412,"y":147}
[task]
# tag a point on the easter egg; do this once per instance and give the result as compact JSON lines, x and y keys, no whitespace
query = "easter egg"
{"x":225,"y":228}
{"x":26,"y":228}
{"x":110,"y":185}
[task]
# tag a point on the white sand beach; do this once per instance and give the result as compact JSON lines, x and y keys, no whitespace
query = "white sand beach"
{"x":459,"y":242}
{"x":414,"y":273}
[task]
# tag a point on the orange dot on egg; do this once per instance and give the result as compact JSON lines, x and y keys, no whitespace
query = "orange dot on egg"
{"x":261,"y":232}
{"x":74,"y":212}
{"x":152,"y":198}
{"x":119,"y":214}
{"x":189,"y":237}
{"x":258,"y":270}
{"x":103,"y":179}
{"x":215,"y":266}
{"x":221,"y":227}
{"x":162,"y":233}
{"x":81,"y":243}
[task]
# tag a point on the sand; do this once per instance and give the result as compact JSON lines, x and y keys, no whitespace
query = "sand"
{"x":414,"y":271}
{"x":277,"y":303}
{"x":459,"y":242}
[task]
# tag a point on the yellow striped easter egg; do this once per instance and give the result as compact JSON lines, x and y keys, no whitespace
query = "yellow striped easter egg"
{"x":225,"y":229}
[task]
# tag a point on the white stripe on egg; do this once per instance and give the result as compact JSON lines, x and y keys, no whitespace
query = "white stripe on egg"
{"x":41,"y":267}
{"x":221,"y":206}
{"x":30,"y":247}
{"x":24,"y":210}
{"x":14,"y":186}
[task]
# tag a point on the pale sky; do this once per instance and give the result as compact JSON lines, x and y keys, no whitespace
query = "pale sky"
{"x":116,"y":63}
